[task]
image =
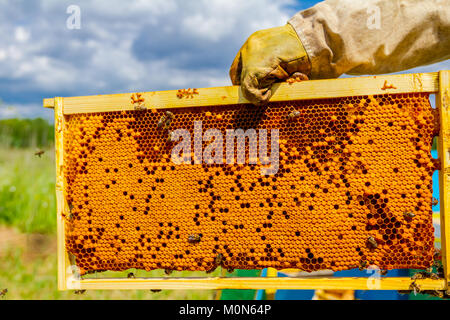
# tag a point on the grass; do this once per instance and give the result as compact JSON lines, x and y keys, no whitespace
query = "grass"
{"x":27,"y":190}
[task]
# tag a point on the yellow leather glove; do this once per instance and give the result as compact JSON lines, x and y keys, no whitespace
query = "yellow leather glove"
{"x":268,"y":56}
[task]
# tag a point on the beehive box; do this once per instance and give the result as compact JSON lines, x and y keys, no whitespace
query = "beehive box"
{"x":330,"y":179}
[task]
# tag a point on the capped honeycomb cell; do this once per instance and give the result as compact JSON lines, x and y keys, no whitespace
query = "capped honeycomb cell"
{"x":353,"y":188}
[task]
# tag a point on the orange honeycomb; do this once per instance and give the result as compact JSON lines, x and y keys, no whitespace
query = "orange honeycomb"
{"x":354,"y":189}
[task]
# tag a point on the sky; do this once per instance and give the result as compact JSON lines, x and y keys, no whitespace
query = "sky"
{"x":125,"y":46}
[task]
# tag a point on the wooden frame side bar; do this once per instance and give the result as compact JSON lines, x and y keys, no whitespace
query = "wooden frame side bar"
{"x":443,"y":103}
{"x":61,"y":204}
{"x":388,"y":283}
{"x":315,"y":89}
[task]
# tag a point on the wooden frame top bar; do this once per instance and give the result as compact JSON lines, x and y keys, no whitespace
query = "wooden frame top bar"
{"x":314,"y":89}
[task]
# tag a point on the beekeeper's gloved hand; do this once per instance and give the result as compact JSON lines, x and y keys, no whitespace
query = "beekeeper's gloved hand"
{"x":268,"y":56}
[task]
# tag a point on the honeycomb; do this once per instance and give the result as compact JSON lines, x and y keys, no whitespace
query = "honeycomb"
{"x":353,"y":189}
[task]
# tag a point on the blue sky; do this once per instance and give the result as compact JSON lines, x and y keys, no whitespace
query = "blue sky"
{"x":125,"y":46}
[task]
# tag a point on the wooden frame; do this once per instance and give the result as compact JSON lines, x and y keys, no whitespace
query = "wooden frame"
{"x":437,"y":82}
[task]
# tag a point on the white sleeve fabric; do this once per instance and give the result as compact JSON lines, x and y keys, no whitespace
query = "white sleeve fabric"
{"x":373,"y":36}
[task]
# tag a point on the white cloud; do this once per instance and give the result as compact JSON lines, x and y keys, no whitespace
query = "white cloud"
{"x":124,"y":45}
{"x":21,"y":34}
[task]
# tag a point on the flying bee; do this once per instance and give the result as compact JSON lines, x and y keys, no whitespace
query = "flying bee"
{"x":194,"y":238}
{"x":168,"y":272}
{"x":39,"y":153}
{"x":408,"y":215}
{"x":80,"y":292}
{"x":131,"y":275}
{"x":155,"y":290}
{"x":294,"y":114}
{"x":435,"y":202}
{"x":3,"y":292}
{"x":372,"y":242}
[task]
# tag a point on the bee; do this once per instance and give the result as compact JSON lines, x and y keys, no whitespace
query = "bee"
{"x":165,"y":120}
{"x":155,"y":290}
{"x":131,"y":275}
{"x":194,"y":238}
{"x":362,"y":265}
{"x":139,"y":107}
{"x":169,"y":115}
{"x":168,"y":272}
{"x":435,"y":202}
{"x":434,"y":276}
{"x":372,"y":242}
{"x":219,"y":259}
{"x":138,"y":101}
{"x":438,"y":293}
{"x":39,"y":153}
{"x":3,"y":292}
{"x":161,"y":122}
{"x":418,"y":275}
{"x":408,"y":215}
{"x":212,"y":269}
{"x":437,"y":164}
{"x":79,"y":292}
{"x":383,"y":272}
{"x":230,"y":270}
{"x":415,"y":288}
{"x":294,"y":114}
